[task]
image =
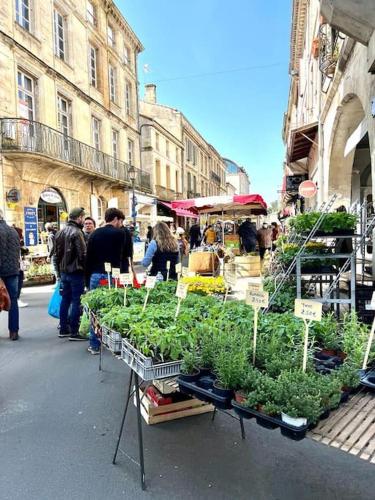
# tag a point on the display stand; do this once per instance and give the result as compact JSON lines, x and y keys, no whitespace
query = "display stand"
{"x":130,"y":393}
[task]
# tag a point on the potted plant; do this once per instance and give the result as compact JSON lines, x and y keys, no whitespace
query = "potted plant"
{"x":298,"y":397}
{"x":189,"y":370}
{"x":349,"y":378}
{"x":354,"y":339}
{"x":230,"y":369}
{"x":249,"y":383}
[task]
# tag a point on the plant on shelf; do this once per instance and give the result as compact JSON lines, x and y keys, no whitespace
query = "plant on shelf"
{"x":205,"y":285}
{"x":327,"y":334}
{"x":263,"y":398}
{"x":190,"y":363}
{"x":348,"y":376}
{"x":354,"y":339}
{"x":284,"y":300}
{"x":330,"y":223}
{"x":298,"y":397}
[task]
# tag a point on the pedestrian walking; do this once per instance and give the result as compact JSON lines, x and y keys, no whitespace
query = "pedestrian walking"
{"x":10,"y":254}
{"x":51,"y":250}
{"x":195,"y":236}
{"x":248,"y":236}
{"x":111,"y":243}
{"x":209,"y":236}
{"x":162,"y":248}
{"x":70,"y":262}
{"x":89,"y":227}
{"x":275,"y":234}
{"x":264,"y":236}
{"x":21,"y":276}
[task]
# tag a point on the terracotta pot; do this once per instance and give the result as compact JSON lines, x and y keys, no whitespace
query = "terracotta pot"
{"x":240,"y":397}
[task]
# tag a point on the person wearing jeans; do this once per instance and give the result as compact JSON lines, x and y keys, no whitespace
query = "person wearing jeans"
{"x":11,"y":284}
{"x":70,"y":261}
{"x":94,"y":283}
{"x":10,"y":252}
{"x":72,"y":286}
{"x":113,"y":244}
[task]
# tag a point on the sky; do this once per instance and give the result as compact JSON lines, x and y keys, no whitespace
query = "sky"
{"x":225,"y":66}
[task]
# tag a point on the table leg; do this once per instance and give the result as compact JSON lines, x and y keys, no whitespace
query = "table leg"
{"x":140,"y":437}
{"x":124,"y":415}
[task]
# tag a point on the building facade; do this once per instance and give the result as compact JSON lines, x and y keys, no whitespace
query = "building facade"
{"x":183,"y":164}
{"x":329,"y":126}
{"x":68,"y":109}
{"x":237,"y":177}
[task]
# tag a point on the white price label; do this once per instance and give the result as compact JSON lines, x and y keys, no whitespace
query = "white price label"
{"x":168,"y":265}
{"x":308,"y":309}
{"x":255,"y":287}
{"x":107,"y":267}
{"x":115,"y":272}
{"x":150,"y":281}
{"x":125,"y":279}
{"x":257,"y":298}
{"x":182,"y":289}
{"x":178,"y":268}
{"x":185,"y":271}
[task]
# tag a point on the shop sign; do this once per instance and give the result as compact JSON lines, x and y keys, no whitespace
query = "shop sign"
{"x":13,"y":195}
{"x":31,"y":226}
{"x":50,"y":195}
{"x":307,"y":189}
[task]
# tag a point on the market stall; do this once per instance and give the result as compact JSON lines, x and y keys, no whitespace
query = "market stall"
{"x":231,"y":210}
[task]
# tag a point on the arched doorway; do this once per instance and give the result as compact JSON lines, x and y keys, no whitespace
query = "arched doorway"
{"x":350,"y":161}
{"x":51,"y":208}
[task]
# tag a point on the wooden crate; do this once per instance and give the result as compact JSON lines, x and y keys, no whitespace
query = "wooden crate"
{"x":351,"y":427}
{"x":247,"y":265}
{"x":164,"y":413}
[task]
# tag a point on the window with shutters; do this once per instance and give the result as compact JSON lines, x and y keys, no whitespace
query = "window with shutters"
{"x":26,"y":95}
{"x":96,"y":130}
{"x":91,"y":14}
{"x":112,"y":83}
{"x":93,"y":61}
{"x":59,"y":23}
{"x":130,"y":151}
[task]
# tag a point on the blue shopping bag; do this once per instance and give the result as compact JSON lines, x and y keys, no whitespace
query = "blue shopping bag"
{"x":55,"y":302}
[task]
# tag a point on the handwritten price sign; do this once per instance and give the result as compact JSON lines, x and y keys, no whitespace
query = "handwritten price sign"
{"x":182,"y":290}
{"x":125,"y":279}
{"x":309,"y":310}
{"x":107,"y":267}
{"x":257,"y":298}
{"x":150,"y":282}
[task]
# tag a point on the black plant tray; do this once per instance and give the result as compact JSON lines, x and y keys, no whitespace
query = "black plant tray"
{"x":368,"y":379}
{"x":295,"y":433}
{"x":324,"y":363}
{"x":207,"y":395}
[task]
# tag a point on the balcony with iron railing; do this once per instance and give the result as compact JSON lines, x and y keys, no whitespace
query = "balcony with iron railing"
{"x":164,"y":193}
{"x":330,"y":41}
{"x":26,"y":136}
{"x":215,"y":178}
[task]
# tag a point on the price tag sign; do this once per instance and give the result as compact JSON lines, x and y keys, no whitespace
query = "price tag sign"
{"x":168,"y":265}
{"x":191,"y":274}
{"x":309,"y":310}
{"x":182,"y":290}
{"x":115,"y":272}
{"x":230,"y":278}
{"x":185,"y":271}
{"x":178,"y":267}
{"x":257,"y":298}
{"x":255,"y":287}
{"x":126,"y":279}
{"x":150,"y":282}
{"x":107,"y":267}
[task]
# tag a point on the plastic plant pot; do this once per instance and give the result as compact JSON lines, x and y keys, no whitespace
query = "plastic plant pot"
{"x":222,"y":392}
{"x":295,"y":421}
{"x":190,"y":377}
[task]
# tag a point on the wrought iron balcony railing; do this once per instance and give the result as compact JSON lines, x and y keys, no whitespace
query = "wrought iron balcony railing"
{"x":215,"y":177}
{"x":20,"y":135}
{"x":329,"y":49}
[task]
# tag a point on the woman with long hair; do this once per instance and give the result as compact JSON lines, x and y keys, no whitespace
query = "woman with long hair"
{"x":162,"y":248}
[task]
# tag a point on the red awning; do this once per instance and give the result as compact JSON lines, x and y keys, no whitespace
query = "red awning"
{"x":181,"y":212}
{"x":250,"y":203}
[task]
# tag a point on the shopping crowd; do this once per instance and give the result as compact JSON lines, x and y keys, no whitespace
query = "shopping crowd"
{"x":79,"y":251}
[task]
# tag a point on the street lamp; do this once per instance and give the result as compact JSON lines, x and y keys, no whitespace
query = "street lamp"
{"x":132,"y":175}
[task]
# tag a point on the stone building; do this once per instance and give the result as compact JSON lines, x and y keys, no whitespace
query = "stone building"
{"x":329,"y":126}
{"x":68,"y":109}
{"x":237,"y":177}
{"x":183,"y":164}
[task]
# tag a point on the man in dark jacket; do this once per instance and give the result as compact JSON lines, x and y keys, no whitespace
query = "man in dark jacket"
{"x":10,"y":253}
{"x":70,"y":262}
{"x":195,"y":236}
{"x":111,"y":243}
{"x":248,"y":235}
